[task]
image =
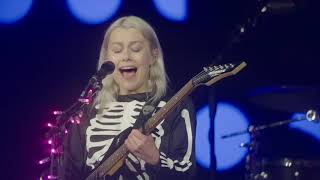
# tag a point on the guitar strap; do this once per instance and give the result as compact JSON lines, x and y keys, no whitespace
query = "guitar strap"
{"x":146,"y":113}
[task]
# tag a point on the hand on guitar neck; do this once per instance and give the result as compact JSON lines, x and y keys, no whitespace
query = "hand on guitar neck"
{"x":143,"y":147}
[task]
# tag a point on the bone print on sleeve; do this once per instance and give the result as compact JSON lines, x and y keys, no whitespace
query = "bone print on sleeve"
{"x":178,"y":159}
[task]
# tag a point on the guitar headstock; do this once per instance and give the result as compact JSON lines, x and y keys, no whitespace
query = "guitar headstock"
{"x":213,"y":73}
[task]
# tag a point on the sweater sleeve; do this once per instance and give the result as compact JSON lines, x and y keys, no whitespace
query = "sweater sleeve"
{"x":179,"y":158}
{"x":72,"y":165}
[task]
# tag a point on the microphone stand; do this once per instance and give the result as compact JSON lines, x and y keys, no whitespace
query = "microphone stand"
{"x":64,"y":120}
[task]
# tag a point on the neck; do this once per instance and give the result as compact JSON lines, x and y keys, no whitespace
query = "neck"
{"x":143,"y":89}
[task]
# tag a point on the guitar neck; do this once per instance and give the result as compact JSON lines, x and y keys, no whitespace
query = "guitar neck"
{"x":104,"y":168}
{"x":155,"y":120}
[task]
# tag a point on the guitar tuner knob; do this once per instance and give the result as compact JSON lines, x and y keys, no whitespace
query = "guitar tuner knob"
{"x":205,"y":69}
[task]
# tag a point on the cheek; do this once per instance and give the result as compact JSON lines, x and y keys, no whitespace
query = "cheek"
{"x":116,"y":76}
{"x":144,"y":58}
{"x":112,"y":58}
{"x":144,"y":71}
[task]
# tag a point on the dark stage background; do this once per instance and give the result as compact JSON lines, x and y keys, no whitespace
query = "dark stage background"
{"x":48,"y":57}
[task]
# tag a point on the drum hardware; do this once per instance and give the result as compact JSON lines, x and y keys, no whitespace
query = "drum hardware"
{"x":253,"y":166}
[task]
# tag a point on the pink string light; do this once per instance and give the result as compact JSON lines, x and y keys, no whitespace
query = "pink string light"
{"x":43,"y":161}
{"x":51,"y":177}
{"x":57,"y":112}
{"x":49,"y":125}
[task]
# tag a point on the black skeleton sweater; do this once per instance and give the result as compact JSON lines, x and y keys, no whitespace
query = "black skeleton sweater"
{"x":87,"y":143}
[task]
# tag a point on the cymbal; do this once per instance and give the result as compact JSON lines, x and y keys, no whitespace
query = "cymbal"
{"x":287,"y":98}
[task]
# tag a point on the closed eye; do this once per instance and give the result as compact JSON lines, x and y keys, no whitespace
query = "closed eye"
{"x":136,"y":46}
{"x":116,"y":48}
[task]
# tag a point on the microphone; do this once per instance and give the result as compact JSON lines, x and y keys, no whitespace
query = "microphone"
{"x":105,"y":69}
{"x":95,"y":81}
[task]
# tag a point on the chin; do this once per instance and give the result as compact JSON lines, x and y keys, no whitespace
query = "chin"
{"x":130,"y":88}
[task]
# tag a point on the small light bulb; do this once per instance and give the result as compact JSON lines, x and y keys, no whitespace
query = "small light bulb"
{"x":51,"y":177}
{"x":43,"y":161}
{"x":57,"y":112}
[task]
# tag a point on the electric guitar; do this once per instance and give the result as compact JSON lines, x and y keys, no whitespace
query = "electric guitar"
{"x":208,"y":76}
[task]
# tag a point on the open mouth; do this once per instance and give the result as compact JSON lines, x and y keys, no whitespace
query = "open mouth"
{"x":128,"y":71}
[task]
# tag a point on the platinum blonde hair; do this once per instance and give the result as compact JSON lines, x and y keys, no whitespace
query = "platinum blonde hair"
{"x":158,"y":76}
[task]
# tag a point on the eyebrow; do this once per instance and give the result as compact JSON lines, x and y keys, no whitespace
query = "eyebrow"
{"x":132,"y":42}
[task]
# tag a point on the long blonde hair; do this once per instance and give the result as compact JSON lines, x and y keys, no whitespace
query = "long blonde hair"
{"x":158,"y":76}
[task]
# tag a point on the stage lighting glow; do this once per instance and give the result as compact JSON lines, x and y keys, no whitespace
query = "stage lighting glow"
{"x":228,"y":153}
{"x":13,"y":10}
{"x":202,"y":137}
{"x":310,"y":128}
{"x":175,"y":10}
{"x":93,"y":11}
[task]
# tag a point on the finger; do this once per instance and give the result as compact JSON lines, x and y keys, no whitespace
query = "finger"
{"x":150,"y":137}
{"x":136,"y":153}
{"x":136,"y":139}
{"x":131,"y":145}
{"x":138,"y":134}
{"x":128,"y":145}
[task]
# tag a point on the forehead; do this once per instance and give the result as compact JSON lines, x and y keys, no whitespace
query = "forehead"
{"x":125,"y":35}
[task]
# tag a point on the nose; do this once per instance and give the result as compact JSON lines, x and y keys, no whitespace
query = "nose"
{"x":126,"y":55}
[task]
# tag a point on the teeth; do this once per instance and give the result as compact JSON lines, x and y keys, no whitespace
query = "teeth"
{"x":128,"y":68}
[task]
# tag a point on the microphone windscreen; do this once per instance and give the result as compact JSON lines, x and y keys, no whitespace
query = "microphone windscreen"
{"x":106,"y":68}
